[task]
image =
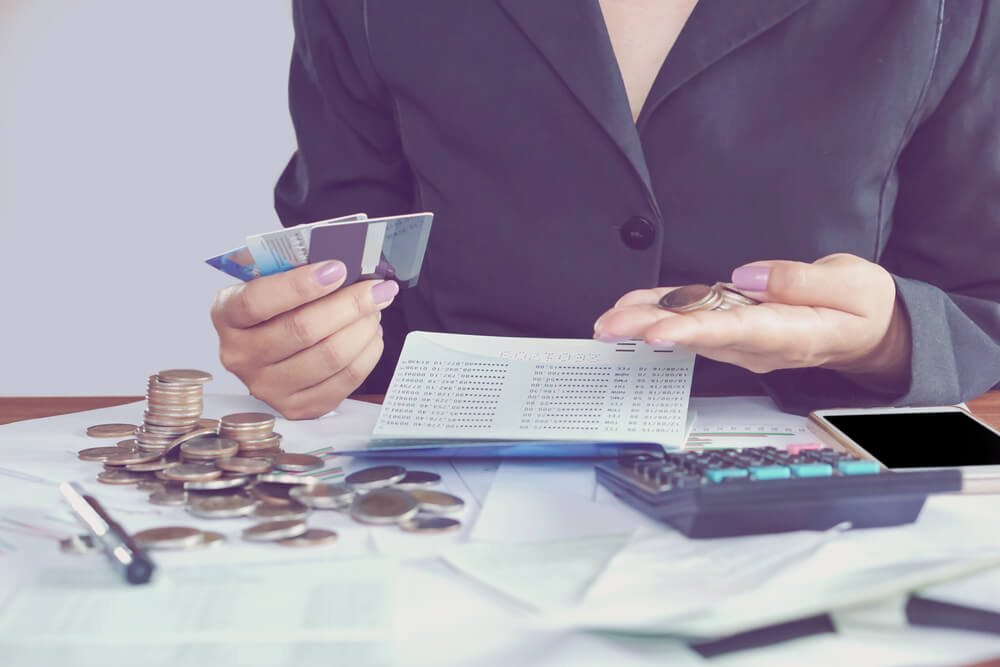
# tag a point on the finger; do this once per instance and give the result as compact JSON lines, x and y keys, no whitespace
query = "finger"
{"x":844,"y":282}
{"x":629,"y":321}
{"x":300,"y":329}
{"x":795,"y":335}
{"x":248,"y":304}
{"x":755,"y":363}
{"x":320,"y":399}
{"x":643,"y":297}
{"x":323,"y":360}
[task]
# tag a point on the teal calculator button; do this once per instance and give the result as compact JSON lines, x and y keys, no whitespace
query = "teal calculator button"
{"x":811,"y":469}
{"x":857,"y":467}
{"x":769,"y":472}
{"x":719,"y":474}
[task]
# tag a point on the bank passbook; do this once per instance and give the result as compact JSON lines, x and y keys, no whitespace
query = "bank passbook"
{"x":465,"y":396}
{"x":390,"y":248}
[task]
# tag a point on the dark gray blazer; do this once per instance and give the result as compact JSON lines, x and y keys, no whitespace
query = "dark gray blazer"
{"x":776,"y":129}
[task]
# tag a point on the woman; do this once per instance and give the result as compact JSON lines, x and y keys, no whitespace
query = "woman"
{"x":839,"y":159}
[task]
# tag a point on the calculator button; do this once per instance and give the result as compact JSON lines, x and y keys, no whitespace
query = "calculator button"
{"x":647,"y":469}
{"x":811,"y":469}
{"x":857,"y":467}
{"x":795,"y":449}
{"x":720,"y":474}
{"x":687,"y":481}
{"x":769,"y":472}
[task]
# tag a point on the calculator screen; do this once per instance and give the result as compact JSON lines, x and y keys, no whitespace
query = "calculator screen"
{"x":922,"y":439}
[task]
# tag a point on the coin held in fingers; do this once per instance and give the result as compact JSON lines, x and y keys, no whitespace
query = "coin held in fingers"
{"x":691,"y":298}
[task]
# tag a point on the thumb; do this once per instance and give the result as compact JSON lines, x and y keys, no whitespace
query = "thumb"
{"x":843,"y":282}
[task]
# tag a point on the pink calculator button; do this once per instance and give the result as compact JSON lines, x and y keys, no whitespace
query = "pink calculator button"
{"x":795,"y":449}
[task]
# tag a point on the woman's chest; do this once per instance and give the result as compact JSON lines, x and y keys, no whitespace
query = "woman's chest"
{"x":642,"y":33}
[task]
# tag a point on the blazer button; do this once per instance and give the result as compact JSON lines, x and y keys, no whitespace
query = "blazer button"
{"x":638,"y":233}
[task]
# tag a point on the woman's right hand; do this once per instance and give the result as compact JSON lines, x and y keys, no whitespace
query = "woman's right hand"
{"x":297,"y":341}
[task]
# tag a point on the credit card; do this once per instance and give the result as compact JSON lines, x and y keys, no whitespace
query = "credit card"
{"x":383,"y":248}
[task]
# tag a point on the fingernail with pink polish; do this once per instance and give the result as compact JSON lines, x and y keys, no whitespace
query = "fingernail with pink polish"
{"x":384,"y":291}
{"x":330,"y":273}
{"x":751,"y":278}
{"x":608,"y":338}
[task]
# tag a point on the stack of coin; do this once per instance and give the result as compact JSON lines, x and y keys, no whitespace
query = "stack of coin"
{"x":240,"y":472}
{"x":174,"y":405}
{"x":691,"y":298}
{"x":252,"y":431}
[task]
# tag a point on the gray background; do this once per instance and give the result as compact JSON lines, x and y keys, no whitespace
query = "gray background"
{"x":137,"y":138}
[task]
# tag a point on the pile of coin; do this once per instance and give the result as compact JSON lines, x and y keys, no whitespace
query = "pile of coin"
{"x":253,"y":431}
{"x":690,"y":298}
{"x":242,"y":472}
{"x":173,"y":407}
{"x":393,"y":495}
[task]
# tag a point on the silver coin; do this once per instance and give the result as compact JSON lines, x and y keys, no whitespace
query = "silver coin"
{"x":168,"y":537}
{"x":251,"y":446}
{"x":150,"y":485}
{"x":383,"y":506}
{"x":291,"y":512}
{"x":149,"y":466}
{"x":375,"y":478}
{"x":173,"y":450}
{"x":211,"y":539}
{"x":274,"y":530}
{"x":79,"y":544}
{"x":222,"y":507}
{"x":733,"y":297}
{"x":437,"y":502}
{"x":169,"y":498}
{"x":313,"y":537}
{"x":120,"y":477}
{"x":261,"y":454}
{"x":111,"y":430}
{"x":690,"y":298}
{"x":243,"y":465}
{"x":98,"y":453}
{"x":323,"y":496}
{"x":124,"y":458}
{"x":418,"y":479}
{"x":217,"y":484}
{"x":184,"y":375}
{"x":247,"y":420}
{"x":297,"y":462}
{"x":191,"y":472}
{"x":429,"y":525}
{"x":209,"y":447}
{"x":285,"y":478}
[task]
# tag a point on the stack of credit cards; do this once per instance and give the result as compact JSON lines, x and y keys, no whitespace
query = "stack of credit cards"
{"x":390,"y":248}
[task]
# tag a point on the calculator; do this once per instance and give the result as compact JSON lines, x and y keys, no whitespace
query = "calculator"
{"x":728,"y":492}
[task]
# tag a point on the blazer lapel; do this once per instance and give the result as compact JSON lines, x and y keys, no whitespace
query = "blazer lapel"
{"x":714,"y":29}
{"x":571,"y":35}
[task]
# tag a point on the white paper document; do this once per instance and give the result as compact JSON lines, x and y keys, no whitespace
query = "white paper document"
{"x":351,"y":601}
{"x":662,"y":582}
{"x":725,"y":422}
{"x":458,"y":386}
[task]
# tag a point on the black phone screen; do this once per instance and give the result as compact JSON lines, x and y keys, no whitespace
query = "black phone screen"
{"x":922,"y":439}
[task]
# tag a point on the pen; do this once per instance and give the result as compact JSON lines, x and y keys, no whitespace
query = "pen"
{"x":121,"y":550}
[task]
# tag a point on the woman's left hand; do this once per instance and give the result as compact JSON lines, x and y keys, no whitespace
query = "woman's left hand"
{"x":840,"y":313}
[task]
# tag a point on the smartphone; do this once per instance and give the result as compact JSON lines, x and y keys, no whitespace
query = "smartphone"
{"x":917,"y":439}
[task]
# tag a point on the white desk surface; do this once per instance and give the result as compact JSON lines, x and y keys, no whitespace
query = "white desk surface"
{"x":399,"y":602}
